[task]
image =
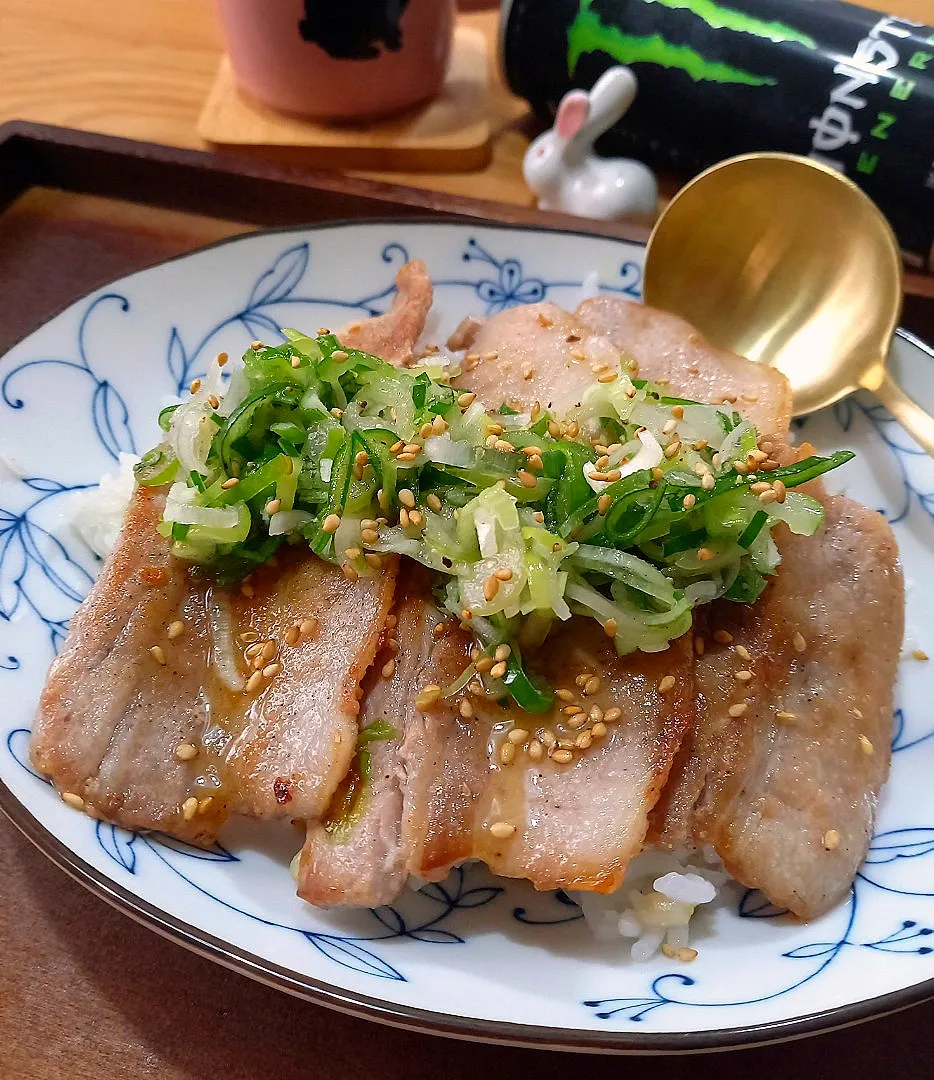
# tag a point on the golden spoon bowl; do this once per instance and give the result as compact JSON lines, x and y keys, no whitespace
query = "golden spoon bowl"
{"x":784,"y":260}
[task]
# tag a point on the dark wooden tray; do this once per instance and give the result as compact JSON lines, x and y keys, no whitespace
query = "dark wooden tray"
{"x":78,"y":210}
{"x":86,"y":993}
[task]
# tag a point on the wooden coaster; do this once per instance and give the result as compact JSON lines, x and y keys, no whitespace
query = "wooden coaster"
{"x":448,"y":134}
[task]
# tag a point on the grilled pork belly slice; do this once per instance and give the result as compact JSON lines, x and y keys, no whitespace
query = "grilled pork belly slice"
{"x":786,"y":792}
{"x":392,"y":336}
{"x":147,"y":743}
{"x":667,"y":349}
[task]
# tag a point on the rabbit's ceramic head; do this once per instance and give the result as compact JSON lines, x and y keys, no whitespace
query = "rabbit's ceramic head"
{"x":545,"y":161}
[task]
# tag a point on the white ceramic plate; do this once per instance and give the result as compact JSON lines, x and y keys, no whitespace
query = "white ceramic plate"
{"x":474,"y":957}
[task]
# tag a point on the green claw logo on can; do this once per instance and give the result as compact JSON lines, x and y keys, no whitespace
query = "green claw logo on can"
{"x":588,"y":33}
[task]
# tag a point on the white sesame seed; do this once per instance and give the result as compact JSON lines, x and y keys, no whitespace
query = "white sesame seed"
{"x":738,"y":709}
{"x":502,"y":830}
{"x":186,"y":751}
{"x":866,"y":746}
{"x":667,"y":683}
{"x":831,"y":839}
{"x":189,"y":808}
{"x":72,"y":799}
{"x":157,"y":653}
{"x":176,"y":629}
{"x":799,"y":643}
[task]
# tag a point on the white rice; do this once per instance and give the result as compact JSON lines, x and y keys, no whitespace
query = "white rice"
{"x":656,"y":904}
{"x":97,"y":514}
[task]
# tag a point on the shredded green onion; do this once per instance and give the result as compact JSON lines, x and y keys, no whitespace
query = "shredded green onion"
{"x":633,"y":510}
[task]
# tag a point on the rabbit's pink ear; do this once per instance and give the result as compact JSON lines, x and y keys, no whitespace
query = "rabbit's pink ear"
{"x":572,"y":113}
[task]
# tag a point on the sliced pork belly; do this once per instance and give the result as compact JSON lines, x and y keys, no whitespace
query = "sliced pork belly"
{"x":393,"y":336}
{"x":667,"y":348}
{"x":115,"y":723}
{"x":577,"y":825}
{"x":786,"y":792}
{"x":535,"y":352}
{"x":362,"y":861}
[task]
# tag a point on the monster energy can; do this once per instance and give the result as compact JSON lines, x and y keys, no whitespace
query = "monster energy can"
{"x":848,"y":86}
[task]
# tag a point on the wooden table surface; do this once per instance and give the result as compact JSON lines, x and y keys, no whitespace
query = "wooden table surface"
{"x":86,"y":994}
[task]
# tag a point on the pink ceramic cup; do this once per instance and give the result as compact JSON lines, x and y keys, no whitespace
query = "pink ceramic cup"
{"x":338,"y":59}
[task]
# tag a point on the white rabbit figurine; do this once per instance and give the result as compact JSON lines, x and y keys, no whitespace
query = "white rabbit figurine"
{"x":562,"y":170}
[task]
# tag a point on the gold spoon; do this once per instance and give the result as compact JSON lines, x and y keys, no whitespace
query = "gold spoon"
{"x":786,"y":261}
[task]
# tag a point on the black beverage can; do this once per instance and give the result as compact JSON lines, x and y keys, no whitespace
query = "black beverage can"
{"x":850,"y":87}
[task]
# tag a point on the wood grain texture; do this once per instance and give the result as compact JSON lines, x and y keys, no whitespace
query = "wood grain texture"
{"x":451,"y":132}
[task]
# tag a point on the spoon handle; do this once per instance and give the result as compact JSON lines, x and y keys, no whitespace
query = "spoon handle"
{"x":918,"y":423}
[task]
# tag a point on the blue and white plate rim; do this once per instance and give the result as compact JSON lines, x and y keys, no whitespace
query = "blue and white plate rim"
{"x":331,"y":995}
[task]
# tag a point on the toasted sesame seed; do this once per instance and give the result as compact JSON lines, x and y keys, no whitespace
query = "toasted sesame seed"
{"x":536,"y":750}
{"x":373,"y":559}
{"x":186,"y":751}
{"x":427,"y":696}
{"x":572,"y":710}
{"x":404,"y":518}
{"x":490,"y":588}
{"x":592,"y":685}
{"x":724,"y":637}
{"x":157,"y":653}
{"x":518,"y":736}
{"x":269,"y":650}
{"x":704,"y":554}
{"x":189,"y":808}
{"x":673,"y":449}
{"x":610,"y":376}
{"x":72,"y":799}
{"x":213,"y":401}
{"x":254,"y":682}
{"x":507,"y":753}
{"x":249,"y":636}
{"x":563,"y":694}
{"x":369,"y":536}
{"x":699,"y":645}
{"x":270,"y":671}
{"x":547,"y":737}
{"x":768,"y":497}
{"x":598,"y":731}
{"x":610,"y":627}
{"x":677,"y":411}
{"x":742,"y":652}
{"x":780,"y":490}
{"x":739,"y":709}
{"x":919,"y":654}
{"x":273,"y":506}
{"x":484,"y":664}
{"x":339,"y":356}
{"x":230,"y":483}
{"x":247,"y":589}
{"x":331,"y":523}
{"x":411,"y":448}
{"x":466,"y":709}
{"x":667,"y":683}
{"x":743,"y":676}
{"x":583,"y":741}
{"x":176,"y":629}
{"x":254,"y":650}
{"x":502,"y":830}
{"x":831,"y":839}
{"x":221,"y":359}
{"x":526,"y":479}
{"x":728,"y":399}
{"x":707,"y":481}
{"x":503,"y":652}
{"x":424,"y":431}
{"x":689,"y":501}
{"x":296,"y":361}
{"x":784,"y":716}
{"x":562,"y":757}
{"x":466,"y":400}
{"x":349,"y":572}
{"x":205,"y":804}
{"x":799,"y":643}
{"x":497,"y":671}
{"x":308,"y":627}
{"x":504,"y":446}
{"x":352,"y":553}
{"x":292,"y":635}
{"x":611,"y":715}
{"x":389,"y":669}
{"x":759,"y":487}
{"x":195,"y":386}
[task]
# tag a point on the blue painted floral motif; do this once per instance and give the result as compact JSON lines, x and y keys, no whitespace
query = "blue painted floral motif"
{"x":108,"y":409}
{"x":30,"y":555}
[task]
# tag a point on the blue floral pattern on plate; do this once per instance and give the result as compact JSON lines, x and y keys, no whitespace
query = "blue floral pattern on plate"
{"x":76,"y":372}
